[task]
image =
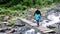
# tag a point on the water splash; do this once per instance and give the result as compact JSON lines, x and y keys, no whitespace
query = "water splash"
{"x":54,"y":19}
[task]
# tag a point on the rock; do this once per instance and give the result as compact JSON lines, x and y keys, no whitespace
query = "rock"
{"x":3,"y":29}
{"x":50,"y":27}
{"x":34,"y":21}
{"x":15,"y":14}
{"x":2,"y":33}
{"x":54,"y":15}
{"x":2,"y":25}
{"x":6,"y":18}
{"x":29,"y":17}
{"x":32,"y":31}
{"x":18,"y":22}
{"x":11,"y":31}
{"x":23,"y":29}
{"x":16,"y":33}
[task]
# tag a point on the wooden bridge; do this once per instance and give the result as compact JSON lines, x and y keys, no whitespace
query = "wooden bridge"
{"x":40,"y":29}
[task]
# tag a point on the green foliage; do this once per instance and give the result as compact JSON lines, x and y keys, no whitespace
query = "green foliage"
{"x":1,"y":17}
{"x":4,"y":1}
{"x":9,"y":7}
{"x":56,"y":1}
{"x":10,"y":3}
{"x":28,"y":3}
{"x":18,"y":7}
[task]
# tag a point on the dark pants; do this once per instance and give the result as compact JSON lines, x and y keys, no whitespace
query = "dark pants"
{"x":37,"y":22}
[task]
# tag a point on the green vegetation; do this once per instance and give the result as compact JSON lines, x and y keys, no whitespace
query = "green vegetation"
{"x":27,"y":3}
{"x":17,"y":7}
{"x":12,"y":7}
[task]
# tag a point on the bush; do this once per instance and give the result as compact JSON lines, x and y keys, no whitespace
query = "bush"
{"x":18,"y":7}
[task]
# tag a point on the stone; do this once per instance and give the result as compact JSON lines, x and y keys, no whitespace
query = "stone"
{"x":32,"y":31}
{"x":2,"y":33}
{"x":29,"y":17}
{"x":11,"y":31}
{"x":15,"y":14}
{"x":18,"y":22}
{"x":50,"y":27}
{"x":6,"y":18}
{"x":34,"y":21}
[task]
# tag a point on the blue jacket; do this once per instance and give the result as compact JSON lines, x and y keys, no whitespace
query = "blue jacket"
{"x":38,"y":16}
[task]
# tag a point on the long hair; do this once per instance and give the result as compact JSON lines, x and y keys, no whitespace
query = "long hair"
{"x":37,"y":12}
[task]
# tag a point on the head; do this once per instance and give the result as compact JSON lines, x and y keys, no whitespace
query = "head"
{"x":38,"y":10}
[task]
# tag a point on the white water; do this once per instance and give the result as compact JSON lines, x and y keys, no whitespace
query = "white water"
{"x":32,"y":31}
{"x":38,"y":33}
{"x":54,"y":19}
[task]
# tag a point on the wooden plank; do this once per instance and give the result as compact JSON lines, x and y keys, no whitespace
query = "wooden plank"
{"x":40,"y":28}
{"x":44,"y":29}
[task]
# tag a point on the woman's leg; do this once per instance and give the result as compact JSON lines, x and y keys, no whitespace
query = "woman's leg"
{"x":37,"y":23}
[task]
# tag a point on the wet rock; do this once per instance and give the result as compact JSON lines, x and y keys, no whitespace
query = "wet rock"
{"x":32,"y":31}
{"x":23,"y":29}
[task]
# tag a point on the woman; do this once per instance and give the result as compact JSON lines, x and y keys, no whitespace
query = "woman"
{"x":37,"y":14}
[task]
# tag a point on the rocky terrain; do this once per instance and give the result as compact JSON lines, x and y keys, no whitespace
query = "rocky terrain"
{"x":21,"y":28}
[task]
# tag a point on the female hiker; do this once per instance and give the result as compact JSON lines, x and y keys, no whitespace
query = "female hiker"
{"x":37,"y":15}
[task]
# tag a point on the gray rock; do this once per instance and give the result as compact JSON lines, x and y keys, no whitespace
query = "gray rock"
{"x":6,"y":18}
{"x":29,"y":17}
{"x":18,"y":22}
